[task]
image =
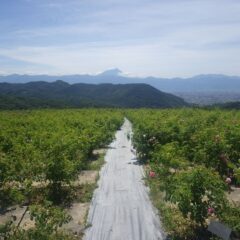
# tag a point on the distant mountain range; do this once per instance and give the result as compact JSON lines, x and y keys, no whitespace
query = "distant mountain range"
{"x":60,"y":94}
{"x":200,"y":83}
{"x":201,"y":89}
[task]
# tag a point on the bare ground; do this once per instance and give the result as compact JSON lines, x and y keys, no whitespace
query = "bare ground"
{"x":78,"y":211}
{"x":234,"y":195}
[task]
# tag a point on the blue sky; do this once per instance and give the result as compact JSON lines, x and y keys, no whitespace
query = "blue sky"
{"x":166,"y":38}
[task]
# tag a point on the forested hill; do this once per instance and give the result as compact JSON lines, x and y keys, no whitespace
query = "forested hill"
{"x":60,"y":94}
{"x":229,"y":105}
{"x":199,"y":83}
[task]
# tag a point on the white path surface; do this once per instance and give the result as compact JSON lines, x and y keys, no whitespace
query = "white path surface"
{"x":121,"y":209}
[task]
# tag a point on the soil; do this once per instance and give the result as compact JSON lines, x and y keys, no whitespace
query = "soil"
{"x":99,"y":151}
{"x":78,"y":211}
{"x":15,"y":214}
{"x":87,"y":177}
{"x":234,"y":195}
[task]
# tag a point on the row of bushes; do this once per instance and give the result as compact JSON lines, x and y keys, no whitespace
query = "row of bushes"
{"x":41,"y":154}
{"x":189,"y":154}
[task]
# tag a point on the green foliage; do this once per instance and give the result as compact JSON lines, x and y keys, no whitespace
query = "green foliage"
{"x":193,"y":136}
{"x":48,"y":220}
{"x":60,"y":94}
{"x":236,"y":174}
{"x":231,"y":216}
{"x":6,"y":230}
{"x":177,"y":225}
{"x":195,"y":191}
{"x":192,"y":152}
{"x":49,"y":146}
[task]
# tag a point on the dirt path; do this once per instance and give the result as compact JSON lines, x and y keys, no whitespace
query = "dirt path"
{"x":121,"y":208}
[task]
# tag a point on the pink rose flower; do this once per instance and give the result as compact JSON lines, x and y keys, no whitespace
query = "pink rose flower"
{"x":210,"y":210}
{"x":152,"y":174}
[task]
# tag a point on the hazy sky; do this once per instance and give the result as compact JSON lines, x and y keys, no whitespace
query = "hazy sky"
{"x":142,"y":37}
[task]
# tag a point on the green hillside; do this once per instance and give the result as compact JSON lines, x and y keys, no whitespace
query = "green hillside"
{"x":60,"y":94}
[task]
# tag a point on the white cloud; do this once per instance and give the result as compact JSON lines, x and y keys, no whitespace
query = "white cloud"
{"x":154,"y":37}
{"x":159,"y":59}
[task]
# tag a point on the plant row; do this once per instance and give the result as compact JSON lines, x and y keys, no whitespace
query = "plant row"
{"x":193,"y":157}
